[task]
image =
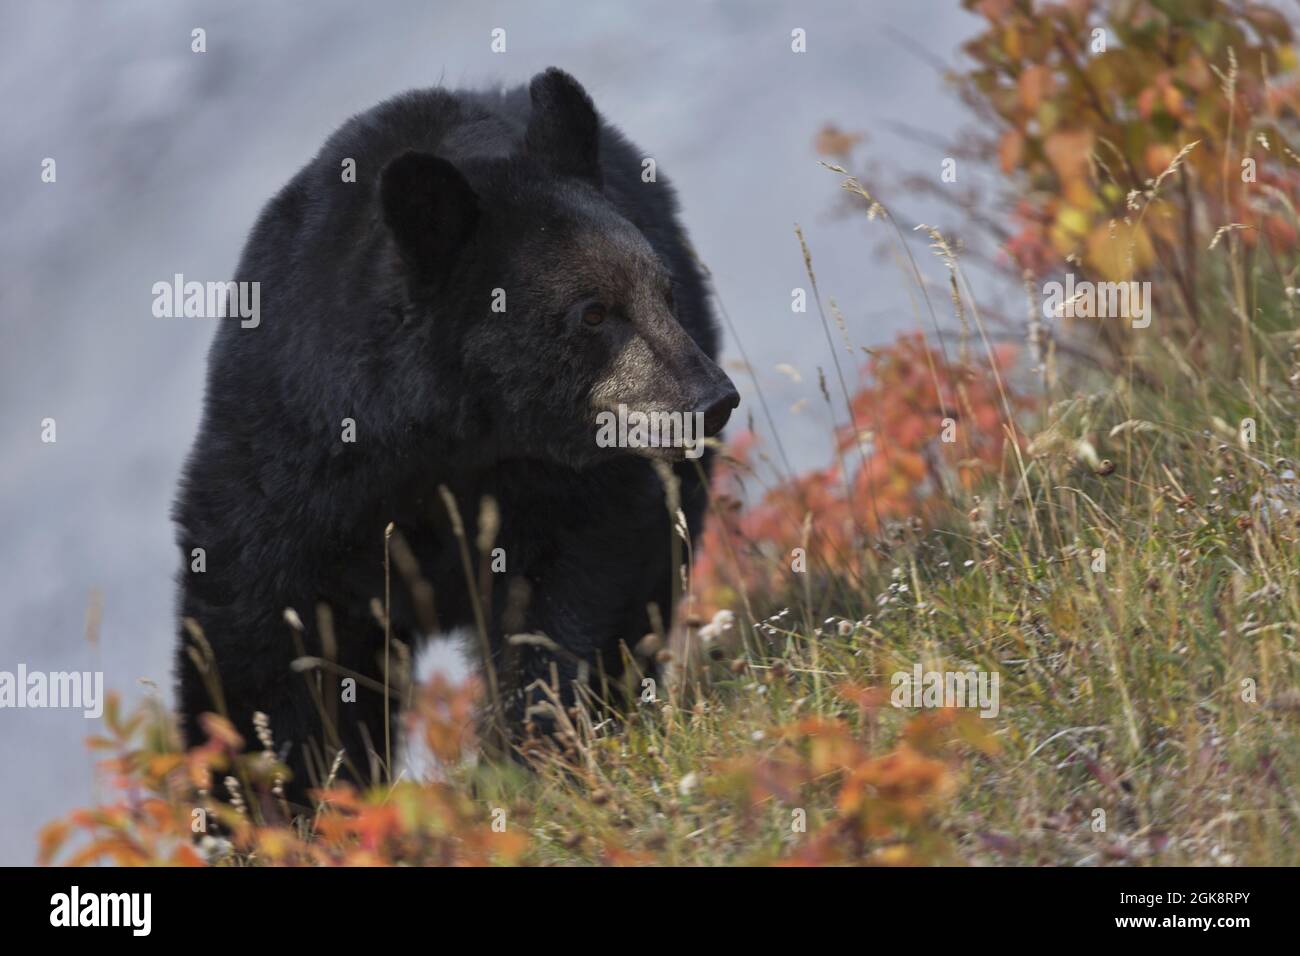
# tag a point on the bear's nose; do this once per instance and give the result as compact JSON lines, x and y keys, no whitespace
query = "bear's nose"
{"x":719,"y":410}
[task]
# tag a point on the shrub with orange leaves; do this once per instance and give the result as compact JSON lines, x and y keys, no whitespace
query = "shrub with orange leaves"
{"x":1128,"y":140}
{"x":924,"y":425}
{"x":885,"y":808}
{"x":162,"y":813}
{"x":1130,"y":133}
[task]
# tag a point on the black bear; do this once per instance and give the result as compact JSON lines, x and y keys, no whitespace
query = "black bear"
{"x":456,"y":296}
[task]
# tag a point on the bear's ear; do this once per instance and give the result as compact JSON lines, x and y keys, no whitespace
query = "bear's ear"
{"x":430,"y":209}
{"x":563,"y":130}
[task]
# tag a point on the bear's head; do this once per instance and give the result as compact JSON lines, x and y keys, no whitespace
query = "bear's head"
{"x":552,"y":311}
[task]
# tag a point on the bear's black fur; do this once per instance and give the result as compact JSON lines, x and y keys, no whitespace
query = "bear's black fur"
{"x":376,"y":305}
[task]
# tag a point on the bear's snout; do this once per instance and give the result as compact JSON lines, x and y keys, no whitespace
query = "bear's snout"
{"x":718,"y":408}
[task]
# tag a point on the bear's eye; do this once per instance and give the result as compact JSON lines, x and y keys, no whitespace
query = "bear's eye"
{"x":593,"y":314}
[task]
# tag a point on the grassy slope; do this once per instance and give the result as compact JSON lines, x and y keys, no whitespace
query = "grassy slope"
{"x":1121,"y":690}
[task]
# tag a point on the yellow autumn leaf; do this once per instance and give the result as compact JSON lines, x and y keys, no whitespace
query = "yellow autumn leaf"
{"x":1011,"y":43}
{"x":1116,"y":251}
{"x":1068,"y":229}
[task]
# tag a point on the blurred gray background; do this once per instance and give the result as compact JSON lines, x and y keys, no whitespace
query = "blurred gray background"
{"x":165,"y":157}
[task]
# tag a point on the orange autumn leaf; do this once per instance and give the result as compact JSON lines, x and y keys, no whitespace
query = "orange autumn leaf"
{"x":1035,"y":83}
{"x":1011,"y":150}
{"x":221,"y":730}
{"x":1068,"y":152}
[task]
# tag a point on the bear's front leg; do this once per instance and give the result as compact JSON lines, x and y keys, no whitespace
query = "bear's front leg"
{"x":323,"y":702}
{"x":569,"y":622}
